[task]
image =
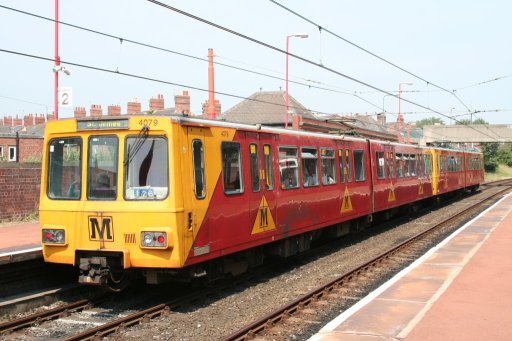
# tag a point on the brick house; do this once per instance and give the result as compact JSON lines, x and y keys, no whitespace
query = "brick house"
{"x":21,"y":140}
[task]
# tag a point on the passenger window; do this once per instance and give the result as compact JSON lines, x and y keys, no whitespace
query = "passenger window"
{"x":232,"y":174}
{"x":309,"y":166}
{"x":407,"y":165}
{"x":269,"y":170}
{"x":289,"y":167}
{"x":359,"y":165}
{"x":328,"y":166}
{"x":198,"y":161}
{"x":347,"y":164}
{"x":379,"y":157}
{"x":428,"y":164}
{"x":413,"y":164}
{"x":342,"y":170}
{"x":391,"y":165}
{"x":255,"y":167}
{"x":399,"y":165}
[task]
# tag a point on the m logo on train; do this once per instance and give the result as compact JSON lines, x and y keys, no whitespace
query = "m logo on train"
{"x":98,"y":233}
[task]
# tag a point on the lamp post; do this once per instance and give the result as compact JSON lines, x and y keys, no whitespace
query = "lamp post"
{"x":400,"y":118}
{"x":57,"y":61}
{"x":451,"y":115}
{"x":301,"y":35}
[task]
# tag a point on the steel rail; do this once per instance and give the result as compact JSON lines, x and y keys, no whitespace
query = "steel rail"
{"x":44,"y":316}
{"x":273,"y":317}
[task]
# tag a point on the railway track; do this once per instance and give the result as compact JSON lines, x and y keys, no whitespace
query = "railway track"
{"x":356,"y":278}
{"x":342,"y":286}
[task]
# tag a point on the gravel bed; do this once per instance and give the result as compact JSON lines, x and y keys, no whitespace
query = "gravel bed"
{"x":220,"y":316}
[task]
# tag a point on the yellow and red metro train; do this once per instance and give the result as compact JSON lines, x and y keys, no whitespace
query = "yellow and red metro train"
{"x":180,"y":197}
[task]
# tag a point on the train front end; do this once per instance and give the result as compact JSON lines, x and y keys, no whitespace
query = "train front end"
{"x":109,"y":198}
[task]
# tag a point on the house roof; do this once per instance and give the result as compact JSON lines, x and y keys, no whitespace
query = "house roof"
{"x":266,"y":107}
{"x":36,"y":131}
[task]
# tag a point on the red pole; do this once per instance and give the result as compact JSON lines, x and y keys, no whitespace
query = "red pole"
{"x":286,"y":96}
{"x":57,"y":60}
{"x":211,"y":111}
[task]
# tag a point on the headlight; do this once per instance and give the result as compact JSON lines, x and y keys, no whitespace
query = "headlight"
{"x":154,"y":239}
{"x":54,"y":236}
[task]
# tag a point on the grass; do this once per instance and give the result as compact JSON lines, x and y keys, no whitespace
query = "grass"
{"x":502,"y":172}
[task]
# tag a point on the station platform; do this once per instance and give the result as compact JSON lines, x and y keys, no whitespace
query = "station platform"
{"x":20,"y":242}
{"x":459,"y":290}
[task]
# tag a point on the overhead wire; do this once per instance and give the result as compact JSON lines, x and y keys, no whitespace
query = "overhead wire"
{"x":203,"y":59}
{"x":131,"y":41}
{"x":117,"y":72}
{"x":269,"y":46}
{"x":320,"y":27}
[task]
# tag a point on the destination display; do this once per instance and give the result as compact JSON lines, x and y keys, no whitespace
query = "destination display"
{"x":102,"y":125}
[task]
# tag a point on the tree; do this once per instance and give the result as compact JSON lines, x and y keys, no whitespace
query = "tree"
{"x":490,"y":151}
{"x":429,"y":121}
{"x":464,"y":121}
{"x":480,"y":121}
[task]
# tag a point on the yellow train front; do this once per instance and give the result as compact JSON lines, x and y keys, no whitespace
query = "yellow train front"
{"x":110,"y":199}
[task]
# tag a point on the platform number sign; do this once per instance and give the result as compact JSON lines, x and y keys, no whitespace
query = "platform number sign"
{"x":65,"y":97}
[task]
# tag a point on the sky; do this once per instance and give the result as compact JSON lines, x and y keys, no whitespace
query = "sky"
{"x":458,"y":45}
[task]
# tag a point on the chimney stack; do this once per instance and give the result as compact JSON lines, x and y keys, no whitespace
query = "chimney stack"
{"x":8,"y":121}
{"x":28,"y":120}
{"x":96,"y":110}
{"x":156,"y":103}
{"x":182,"y":102}
{"x":80,"y":112}
{"x":39,"y":119}
{"x":114,"y":110}
{"x":134,"y":107}
{"x":211,"y":111}
{"x":17,"y":121}
{"x":381,"y":118}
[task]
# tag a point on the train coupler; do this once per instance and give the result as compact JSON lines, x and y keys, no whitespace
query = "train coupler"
{"x":93,"y":270}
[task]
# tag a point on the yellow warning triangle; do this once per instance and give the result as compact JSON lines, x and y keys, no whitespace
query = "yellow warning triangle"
{"x":391,"y":195}
{"x":420,"y":189}
{"x":264,"y":220}
{"x":346,"y":205}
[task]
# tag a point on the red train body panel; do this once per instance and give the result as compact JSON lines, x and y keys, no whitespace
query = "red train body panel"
{"x":370,"y":177}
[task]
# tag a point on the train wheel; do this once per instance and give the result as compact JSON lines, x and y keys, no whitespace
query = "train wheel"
{"x":118,"y":281}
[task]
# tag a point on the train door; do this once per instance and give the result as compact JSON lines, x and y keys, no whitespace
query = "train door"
{"x":195,"y":191}
{"x":262,"y":183}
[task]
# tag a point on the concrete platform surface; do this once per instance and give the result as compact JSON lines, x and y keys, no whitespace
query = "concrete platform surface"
{"x":19,"y":242}
{"x":459,"y":290}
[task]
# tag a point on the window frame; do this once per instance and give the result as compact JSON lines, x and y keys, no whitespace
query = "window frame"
{"x":80,"y":160}
{"x":363,"y":164}
{"x":378,"y":166}
{"x":255,"y":173}
{"x":234,"y":191}
{"x":324,"y":155}
{"x":268,"y":164}
{"x":203,"y":167}
{"x":296,"y":172}
{"x":163,"y":137}
{"x":9,"y":158}
{"x":88,"y":176}
{"x":304,"y":167}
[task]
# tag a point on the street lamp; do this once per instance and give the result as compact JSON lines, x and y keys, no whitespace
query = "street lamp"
{"x":300,"y":35}
{"x":400,"y":118}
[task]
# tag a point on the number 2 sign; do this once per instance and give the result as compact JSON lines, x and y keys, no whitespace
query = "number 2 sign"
{"x":65,"y":97}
